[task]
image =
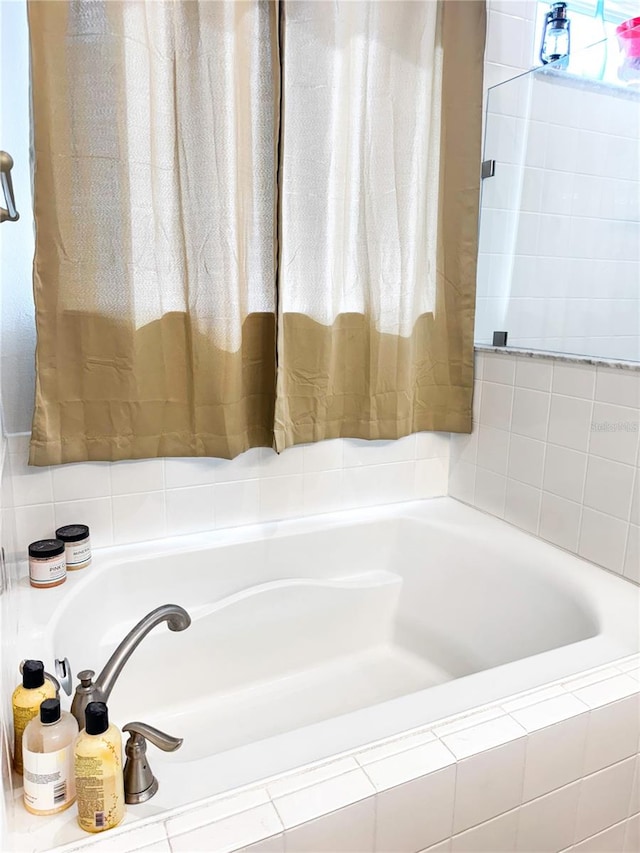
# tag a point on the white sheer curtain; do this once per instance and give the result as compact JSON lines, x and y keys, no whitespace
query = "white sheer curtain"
{"x":361,"y":160}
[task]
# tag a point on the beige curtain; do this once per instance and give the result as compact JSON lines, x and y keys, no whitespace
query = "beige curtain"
{"x":255,"y":222}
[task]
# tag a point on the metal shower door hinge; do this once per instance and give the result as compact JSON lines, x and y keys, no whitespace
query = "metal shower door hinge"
{"x":488,"y":169}
{"x":9,"y":213}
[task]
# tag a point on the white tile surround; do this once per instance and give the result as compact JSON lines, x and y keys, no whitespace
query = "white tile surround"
{"x":555,"y":769}
{"x":555,"y":451}
{"x":141,"y":500}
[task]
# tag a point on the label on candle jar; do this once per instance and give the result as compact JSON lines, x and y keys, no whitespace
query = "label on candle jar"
{"x":78,"y":554}
{"x":48,"y":571}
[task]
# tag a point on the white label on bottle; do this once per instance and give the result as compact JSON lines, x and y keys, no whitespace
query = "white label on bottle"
{"x":78,"y":553}
{"x":49,"y":781}
{"x":47,"y":571}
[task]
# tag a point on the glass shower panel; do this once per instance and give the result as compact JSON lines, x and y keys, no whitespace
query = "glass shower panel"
{"x":559,"y":254}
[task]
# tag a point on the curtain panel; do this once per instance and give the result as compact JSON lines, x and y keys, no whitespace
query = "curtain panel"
{"x":256,"y":222}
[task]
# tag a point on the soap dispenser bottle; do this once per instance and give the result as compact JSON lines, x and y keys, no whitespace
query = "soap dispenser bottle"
{"x":47,"y":752}
{"x":26,"y":701}
{"x":98,"y":771}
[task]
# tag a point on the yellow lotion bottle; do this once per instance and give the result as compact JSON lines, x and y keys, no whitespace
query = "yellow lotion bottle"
{"x":98,"y":771}
{"x":26,"y":701}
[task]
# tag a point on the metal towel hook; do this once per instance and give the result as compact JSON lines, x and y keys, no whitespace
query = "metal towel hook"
{"x":9,"y":213}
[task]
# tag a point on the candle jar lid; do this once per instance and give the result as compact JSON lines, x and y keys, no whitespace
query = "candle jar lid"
{"x":72,"y":532}
{"x":43,"y":549}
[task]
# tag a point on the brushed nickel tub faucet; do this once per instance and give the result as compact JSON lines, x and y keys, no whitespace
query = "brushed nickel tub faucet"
{"x":99,"y":690}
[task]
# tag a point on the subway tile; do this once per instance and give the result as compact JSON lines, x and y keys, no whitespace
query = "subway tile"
{"x":189,"y":510}
{"x":464,"y":448}
{"x":325,"y":796}
{"x":285,"y":464}
{"x":495,"y":405}
{"x":620,"y":387}
{"x":280,"y":497}
{"x":219,"y":809}
{"x":32,"y":523}
{"x":530,"y":413}
{"x":140,"y":475}
{"x":547,"y":824}
{"x":603,"y":539}
{"x":635,"y":500}
{"x":564,"y":472}
{"x":631,"y":568}
{"x":307,"y":777}
{"x":432,"y":445}
{"x":431,"y":477}
{"x":246,"y":466}
{"x":604,"y":799}
{"x":574,"y":380}
{"x":610,"y":840}
{"x":229,"y":833}
{"x":569,"y":422}
{"x":493,"y":449}
{"x":378,"y":484}
{"x":236,"y":503}
{"x":409,"y":764}
{"x":559,"y":521}
{"x":613,"y":733}
{"x":395,"y":746}
{"x":95,"y":512}
{"x":137,"y":518}
{"x":631,"y":842}
{"x":488,"y":784}
{"x":499,"y":368}
{"x":482,"y":736}
{"x":30,"y":485}
{"x":81,"y":480}
{"x":323,"y":455}
{"x":490,"y":492}
{"x":322,"y":491}
{"x":358,"y":452}
{"x":606,"y":690}
{"x":462,"y":481}
{"x":550,"y":711}
{"x":273,"y":844}
{"x":614,"y":433}
{"x":555,"y":756}
{"x":493,"y":836}
{"x":534,"y":373}
{"x":608,"y":487}
{"x":416,"y":814}
{"x":189,"y":471}
{"x":526,"y":460}
{"x":522,"y":506}
{"x":347,"y":830}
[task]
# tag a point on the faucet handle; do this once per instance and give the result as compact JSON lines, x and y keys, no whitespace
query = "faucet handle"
{"x":162,"y":740}
{"x":86,"y":677}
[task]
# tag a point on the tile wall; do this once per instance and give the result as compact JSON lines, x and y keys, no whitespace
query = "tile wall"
{"x":555,"y":451}
{"x":141,"y":500}
{"x":556,"y":769}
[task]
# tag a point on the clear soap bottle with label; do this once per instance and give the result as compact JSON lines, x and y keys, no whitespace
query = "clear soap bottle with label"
{"x":98,"y":771}
{"x":47,"y":753}
{"x":26,"y":701}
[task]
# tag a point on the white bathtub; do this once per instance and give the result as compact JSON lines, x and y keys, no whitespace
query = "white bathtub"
{"x":314,"y":637}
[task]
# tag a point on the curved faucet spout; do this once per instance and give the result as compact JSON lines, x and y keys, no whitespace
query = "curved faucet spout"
{"x":176,"y":618}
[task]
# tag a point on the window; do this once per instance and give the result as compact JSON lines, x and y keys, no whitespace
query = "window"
{"x":590,"y":56}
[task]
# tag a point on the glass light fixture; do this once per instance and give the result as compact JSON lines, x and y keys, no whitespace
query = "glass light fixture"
{"x":556,"y":36}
